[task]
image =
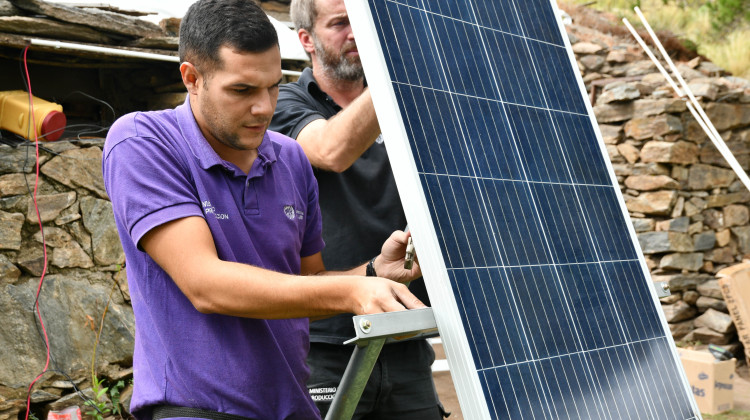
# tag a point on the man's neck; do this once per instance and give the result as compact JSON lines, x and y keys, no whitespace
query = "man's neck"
{"x":343,"y":92}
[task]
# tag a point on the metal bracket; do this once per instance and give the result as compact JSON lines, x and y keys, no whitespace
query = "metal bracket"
{"x":372,"y":332}
{"x":662,"y":289}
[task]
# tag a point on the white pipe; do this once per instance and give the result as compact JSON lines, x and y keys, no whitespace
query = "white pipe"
{"x":693,"y":105}
{"x":123,"y":53}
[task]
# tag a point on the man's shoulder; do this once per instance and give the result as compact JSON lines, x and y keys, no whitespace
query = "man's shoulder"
{"x":143,"y":125}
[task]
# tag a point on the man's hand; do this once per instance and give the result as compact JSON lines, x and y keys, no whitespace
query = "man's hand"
{"x":374,"y":295}
{"x":390,"y":262}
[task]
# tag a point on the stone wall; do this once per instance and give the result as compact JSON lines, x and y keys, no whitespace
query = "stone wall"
{"x":84,"y":277}
{"x":687,"y":206}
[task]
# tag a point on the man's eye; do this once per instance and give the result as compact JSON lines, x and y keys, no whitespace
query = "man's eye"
{"x":240,"y":90}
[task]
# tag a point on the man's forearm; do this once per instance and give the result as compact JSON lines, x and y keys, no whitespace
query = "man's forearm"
{"x":335,"y":144}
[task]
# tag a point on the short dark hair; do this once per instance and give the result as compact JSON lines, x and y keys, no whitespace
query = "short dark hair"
{"x":209,"y":25}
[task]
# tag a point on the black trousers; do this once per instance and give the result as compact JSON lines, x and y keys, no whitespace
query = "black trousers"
{"x":400,"y":386}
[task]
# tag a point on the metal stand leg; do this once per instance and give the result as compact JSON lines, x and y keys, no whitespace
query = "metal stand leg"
{"x":355,"y":378}
{"x":373,"y":331}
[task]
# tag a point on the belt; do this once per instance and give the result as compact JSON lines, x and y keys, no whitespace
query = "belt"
{"x":170,"y":411}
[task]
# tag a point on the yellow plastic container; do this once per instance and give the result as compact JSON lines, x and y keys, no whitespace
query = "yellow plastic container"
{"x":49,"y":119}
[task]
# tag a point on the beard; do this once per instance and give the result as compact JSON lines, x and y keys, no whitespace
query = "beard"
{"x":337,"y":65}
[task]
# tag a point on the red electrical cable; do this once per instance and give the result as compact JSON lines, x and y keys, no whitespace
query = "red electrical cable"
{"x":41,"y":228}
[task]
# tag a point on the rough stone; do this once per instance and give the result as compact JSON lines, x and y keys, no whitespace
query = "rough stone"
{"x":678,"y":208}
{"x":100,"y":221}
{"x":742,"y":233}
{"x":642,"y":225}
{"x":727,"y":116}
{"x":713,"y":218}
{"x":611,"y":134}
{"x":715,"y":320}
{"x":15,"y":160}
{"x":682,"y":282}
{"x":704,"y":240}
{"x":614,"y":112}
{"x":691,"y":297}
{"x":651,"y":182}
{"x":694,"y":206}
{"x":736,"y":215}
{"x":618,"y":92}
{"x":66,"y":302}
{"x":639,"y":68}
{"x":720,"y":255}
{"x":704,"y":302}
{"x":695,"y":228}
{"x":14,"y":184}
{"x":722,"y":200}
{"x":649,"y":169}
{"x":723,"y":237}
{"x":679,"y":224}
{"x":682,"y":261}
{"x":641,"y":128}
{"x":681,"y":329}
{"x":9,"y":273}
{"x":710,"y":288}
{"x":706,"y":177}
{"x":704,"y":89}
{"x":10,"y":230}
{"x":629,"y":152}
{"x":586,"y":48}
{"x":614,"y":154}
{"x":679,"y":311}
{"x":708,"y":336}
{"x":78,"y":168}
{"x":655,"y":242}
{"x":655,"y":202}
{"x":50,"y":206}
{"x":31,"y":259}
{"x":672,"y":298}
{"x":681,"y":152}
{"x":66,"y":252}
{"x":592,"y":62}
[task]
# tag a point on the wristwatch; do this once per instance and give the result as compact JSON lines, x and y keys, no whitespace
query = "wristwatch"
{"x":370,"y":270}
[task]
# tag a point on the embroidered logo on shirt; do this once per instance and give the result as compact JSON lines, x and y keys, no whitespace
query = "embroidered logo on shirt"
{"x":322,"y":394}
{"x":291,"y":213}
{"x":209,"y":209}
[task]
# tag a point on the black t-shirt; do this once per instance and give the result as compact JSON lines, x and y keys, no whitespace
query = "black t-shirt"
{"x":360,"y":206}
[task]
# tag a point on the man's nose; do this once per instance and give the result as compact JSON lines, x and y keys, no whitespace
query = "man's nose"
{"x":264,"y":105}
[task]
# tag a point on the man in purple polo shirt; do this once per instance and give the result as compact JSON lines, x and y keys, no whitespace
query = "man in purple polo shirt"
{"x":221,"y":228}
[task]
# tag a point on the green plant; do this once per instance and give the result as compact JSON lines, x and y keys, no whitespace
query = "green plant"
{"x":114,"y":396}
{"x":99,"y":402}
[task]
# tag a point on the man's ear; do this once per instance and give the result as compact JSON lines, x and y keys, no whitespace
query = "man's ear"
{"x":190,"y":77}
{"x":306,"y":39}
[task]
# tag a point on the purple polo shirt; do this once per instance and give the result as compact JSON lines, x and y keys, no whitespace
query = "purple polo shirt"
{"x":158,"y":167}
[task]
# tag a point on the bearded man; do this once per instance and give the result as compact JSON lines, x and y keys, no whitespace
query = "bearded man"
{"x":330,"y":113}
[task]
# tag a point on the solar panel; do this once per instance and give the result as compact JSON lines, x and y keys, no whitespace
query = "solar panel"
{"x":540,"y":293}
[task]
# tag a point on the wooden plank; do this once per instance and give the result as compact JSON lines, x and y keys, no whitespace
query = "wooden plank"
{"x":97,"y":19}
{"x":75,"y":57}
{"x":40,"y":27}
{"x":163,"y":42}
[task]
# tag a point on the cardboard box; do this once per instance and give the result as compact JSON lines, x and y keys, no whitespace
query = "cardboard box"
{"x":735,"y":286}
{"x":712,"y":381}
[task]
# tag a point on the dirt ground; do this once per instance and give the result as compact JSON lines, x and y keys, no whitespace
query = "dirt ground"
{"x":447,"y":392}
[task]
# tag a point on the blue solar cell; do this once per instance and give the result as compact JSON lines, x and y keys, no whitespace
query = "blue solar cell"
{"x":549,"y":286}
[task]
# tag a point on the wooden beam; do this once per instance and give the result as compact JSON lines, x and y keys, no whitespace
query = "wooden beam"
{"x":97,"y":19}
{"x":41,"y":27}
